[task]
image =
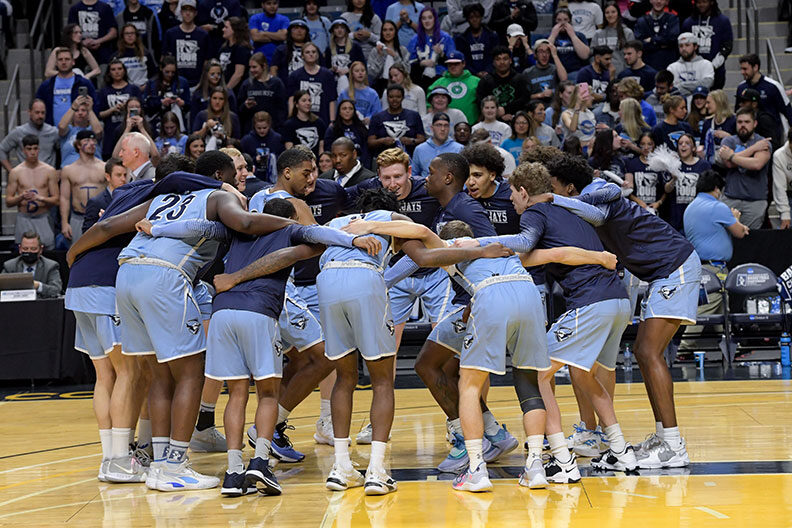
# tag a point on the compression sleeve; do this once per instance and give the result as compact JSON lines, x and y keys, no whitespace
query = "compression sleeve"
{"x":594,"y":215}
{"x":607,"y":193}
{"x":329,"y":236}
{"x":522,"y":242}
{"x":401,"y":270}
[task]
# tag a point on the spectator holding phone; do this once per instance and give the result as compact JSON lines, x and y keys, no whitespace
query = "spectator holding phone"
{"x":167,"y":92}
{"x":60,"y":91}
{"x":171,"y":140}
{"x":578,"y":120}
{"x":117,"y":90}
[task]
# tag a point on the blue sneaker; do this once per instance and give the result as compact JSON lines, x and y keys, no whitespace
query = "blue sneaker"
{"x":458,"y":459}
{"x":260,"y":475}
{"x":502,"y":443}
{"x":234,"y":485}
{"x":282,"y":448}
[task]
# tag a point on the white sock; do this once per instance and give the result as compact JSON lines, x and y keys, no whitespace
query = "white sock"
{"x":672,"y":437}
{"x":263,"y":448}
{"x":474,"y":453}
{"x":120,"y":441}
{"x":283,"y":414}
{"x":491,"y":426}
{"x":456,"y":426}
{"x":235,"y":464}
{"x":558,"y":447}
{"x":324,"y":409}
{"x":106,"y":438}
{"x":535,"y":444}
{"x":177,"y":451}
{"x":583,"y":425}
{"x":615,"y":437}
{"x":131,"y":436}
{"x":377,"y":459}
{"x":144,"y":433}
{"x":342,"y":459}
{"x":659,"y":429}
{"x":160,"y":446}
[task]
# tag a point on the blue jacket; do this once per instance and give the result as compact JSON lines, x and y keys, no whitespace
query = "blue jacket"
{"x":662,"y":48}
{"x":46,"y":91}
{"x":429,"y":150}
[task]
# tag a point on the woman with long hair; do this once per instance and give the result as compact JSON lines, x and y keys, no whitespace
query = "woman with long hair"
{"x":318,"y":24}
{"x":698,"y":113}
{"x":365,"y":99}
{"x":134,"y":121}
{"x":607,"y":113}
{"x":325,"y":162}
{"x":498,"y":130}
{"x":348,"y":124}
{"x":521,"y":128}
{"x":631,"y":126}
{"x":342,"y":52}
{"x":414,"y":95}
{"x":195,"y":146}
{"x":323,"y":99}
{"x":211,"y":78}
{"x":604,"y":154}
{"x":613,"y":34}
{"x":386,"y":53}
{"x":261,"y":91}
{"x":235,"y":52}
{"x":573,"y":50}
{"x":116,"y":91}
{"x":288,"y":56}
{"x":572,"y":146}
{"x":673,"y":124}
{"x":428,"y":49}
{"x":365,"y":26}
{"x":139,"y":61}
{"x":538,"y":127}
{"x":304,"y":127}
{"x":647,"y":184}
{"x":167,"y":92}
{"x":720,"y":118}
{"x":560,"y":103}
{"x":170,"y":139}
{"x":578,"y":119}
{"x":217,"y":120}
{"x":681,"y":188}
{"x":84,"y":62}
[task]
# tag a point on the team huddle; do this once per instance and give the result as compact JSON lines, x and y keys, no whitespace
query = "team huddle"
{"x":316,"y":272}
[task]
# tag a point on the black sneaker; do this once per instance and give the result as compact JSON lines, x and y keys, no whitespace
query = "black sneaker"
{"x":234,"y":485}
{"x":282,"y":448}
{"x":260,"y":475}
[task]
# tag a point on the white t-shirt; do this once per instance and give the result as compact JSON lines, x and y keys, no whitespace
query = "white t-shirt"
{"x":498,"y":131}
{"x":586,"y":16}
{"x":414,"y":99}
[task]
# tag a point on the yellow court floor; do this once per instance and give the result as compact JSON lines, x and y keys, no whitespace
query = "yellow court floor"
{"x":738,"y":435}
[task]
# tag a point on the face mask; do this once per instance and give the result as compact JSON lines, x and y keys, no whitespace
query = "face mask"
{"x":29,"y":258}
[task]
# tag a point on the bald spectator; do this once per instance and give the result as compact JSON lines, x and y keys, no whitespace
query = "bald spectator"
{"x":46,"y":272}
{"x":48,"y":138}
{"x":348,"y":170}
{"x":134,"y":152}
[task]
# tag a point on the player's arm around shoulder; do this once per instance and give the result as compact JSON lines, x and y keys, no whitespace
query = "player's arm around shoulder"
{"x":226,"y":208}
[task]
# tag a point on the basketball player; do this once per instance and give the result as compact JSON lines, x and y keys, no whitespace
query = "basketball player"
{"x":33,"y":189}
{"x":91,"y":295}
{"x":654,"y":252}
{"x":80,"y":181}
{"x":158,"y":314}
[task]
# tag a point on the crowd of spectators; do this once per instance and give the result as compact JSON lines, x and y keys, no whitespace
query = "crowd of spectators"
{"x":610,"y":82}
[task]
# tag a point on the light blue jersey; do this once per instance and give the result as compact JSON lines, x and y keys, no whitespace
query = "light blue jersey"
{"x":187,"y":254}
{"x":257,"y":201}
{"x":342,"y":254}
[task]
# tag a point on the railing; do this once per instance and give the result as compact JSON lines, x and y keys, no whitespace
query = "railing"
{"x":13,"y":88}
{"x":43,"y":25}
{"x":751,"y":21}
{"x":772,"y":63}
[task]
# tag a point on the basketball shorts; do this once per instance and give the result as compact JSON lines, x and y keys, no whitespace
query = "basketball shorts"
{"x":241,"y":344}
{"x":203,"y":294}
{"x":433,"y":289}
{"x":676,"y":296}
{"x":299,"y":327}
{"x":450,"y":331}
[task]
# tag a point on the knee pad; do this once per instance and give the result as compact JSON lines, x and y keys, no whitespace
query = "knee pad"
{"x":526,"y":385}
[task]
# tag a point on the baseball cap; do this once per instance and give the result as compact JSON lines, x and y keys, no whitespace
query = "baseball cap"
{"x":440,"y":116}
{"x":687,"y":38}
{"x":751,"y":95}
{"x":539,"y":42}
{"x":455,"y":56}
{"x":85,"y":134}
{"x":700,"y":91}
{"x":515,"y":30}
{"x":340,"y":21}
{"x":189,"y":3}
{"x":298,"y":22}
{"x":440,"y":90}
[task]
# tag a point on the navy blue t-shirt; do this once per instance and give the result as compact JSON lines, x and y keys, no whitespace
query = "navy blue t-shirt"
{"x":597,"y":81}
{"x":477,"y":50}
{"x":259,"y":148}
{"x":648,"y":184}
{"x":108,"y":98}
{"x":670,"y":134}
{"x":321,"y":86}
{"x":232,"y":56}
{"x":342,"y":59}
{"x":265,"y":294}
{"x":269,"y":96}
{"x":190,"y":49}
{"x":308,"y":133}
{"x":326,"y":201}
{"x":406,"y":123}
{"x":96,"y":21}
{"x":684,"y":191}
{"x":358,"y":134}
{"x":645,"y":76}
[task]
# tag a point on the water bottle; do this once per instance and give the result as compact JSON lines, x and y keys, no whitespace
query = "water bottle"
{"x":628,"y":356}
{"x":784,"y":343}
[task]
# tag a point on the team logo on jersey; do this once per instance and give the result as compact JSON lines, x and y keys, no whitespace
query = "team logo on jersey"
{"x":457,"y":89}
{"x":316,"y":210}
{"x":391,"y":326}
{"x":116,"y":320}
{"x":308,"y":136}
{"x":459,"y":326}
{"x":667,"y":292}
{"x":395,"y":129}
{"x":563,"y":333}
{"x":278,"y":348}
{"x":193,"y":325}
{"x":299,"y":322}
{"x":468,"y":341}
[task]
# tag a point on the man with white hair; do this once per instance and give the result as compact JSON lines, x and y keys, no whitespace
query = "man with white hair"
{"x":691,"y":70}
{"x":134,"y":154}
